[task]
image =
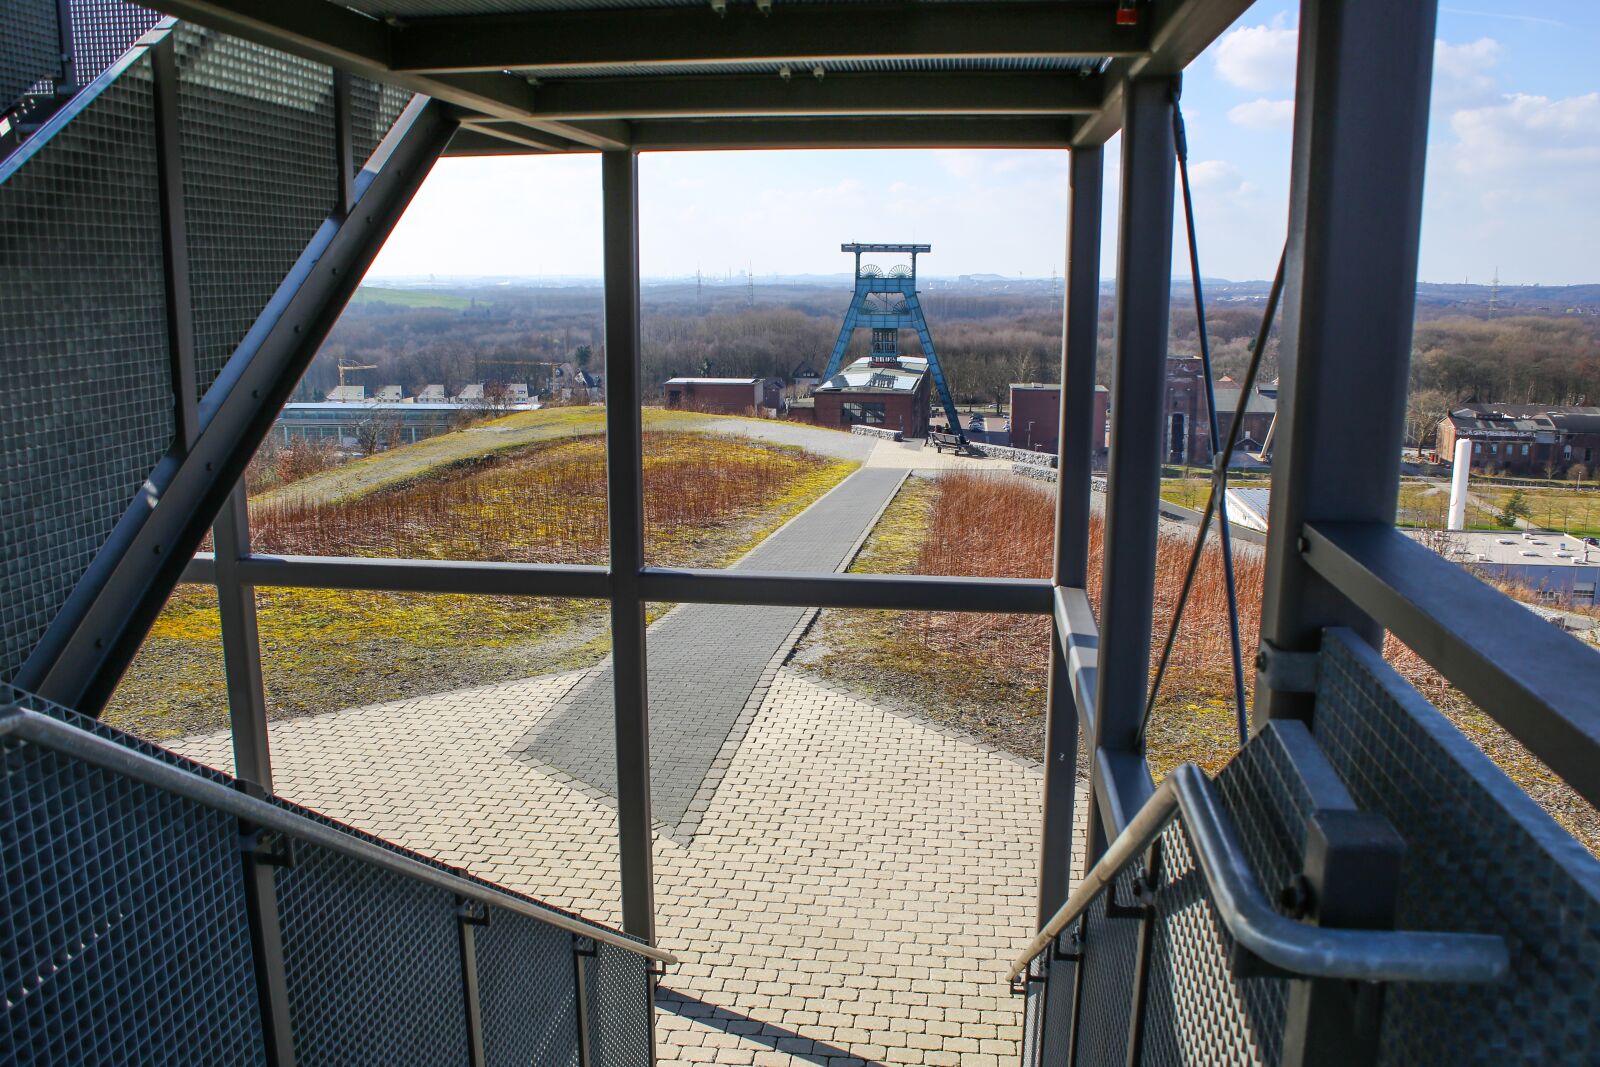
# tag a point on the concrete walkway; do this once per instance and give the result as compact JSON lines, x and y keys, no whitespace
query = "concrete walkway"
{"x":709,"y":666}
{"x":860,"y":882}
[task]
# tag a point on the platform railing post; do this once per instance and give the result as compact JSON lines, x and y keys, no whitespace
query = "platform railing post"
{"x":1133,"y":477}
{"x":1360,"y":137}
{"x":625,"y":514}
{"x":1070,"y":568}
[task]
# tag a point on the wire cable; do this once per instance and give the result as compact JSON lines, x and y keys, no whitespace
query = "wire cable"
{"x":1219,"y":488}
{"x":1222,"y":465}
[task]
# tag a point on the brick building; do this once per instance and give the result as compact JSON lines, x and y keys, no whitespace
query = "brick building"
{"x":1187,"y":428}
{"x":888,"y":391}
{"x":1036,"y":417}
{"x":1530,"y":439}
{"x":719,"y":396}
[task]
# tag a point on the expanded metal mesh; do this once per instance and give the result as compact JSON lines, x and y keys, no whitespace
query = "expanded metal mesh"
{"x":260,"y":175}
{"x":1110,"y":946}
{"x":30,"y":47}
{"x":621,"y":999}
{"x":89,"y":407}
{"x":374,"y":108}
{"x":372,"y":962}
{"x":1195,"y":1011}
{"x":527,"y":992}
{"x":1480,"y":856}
{"x":1055,"y":1006}
{"x":124,"y":921}
{"x":102,"y":30}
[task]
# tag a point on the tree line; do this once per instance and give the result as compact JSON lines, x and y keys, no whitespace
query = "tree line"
{"x":985,"y":341}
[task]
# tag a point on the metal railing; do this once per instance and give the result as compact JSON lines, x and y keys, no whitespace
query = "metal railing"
{"x":526,"y":976}
{"x":1292,"y":947}
{"x":62,"y":737}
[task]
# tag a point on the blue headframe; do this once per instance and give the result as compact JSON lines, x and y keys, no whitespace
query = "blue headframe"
{"x":898,"y":309}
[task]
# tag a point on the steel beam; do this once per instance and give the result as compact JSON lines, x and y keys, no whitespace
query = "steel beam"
{"x":907,"y":132}
{"x":1360,"y":136}
{"x":1079,"y":333}
{"x":890,"y":592}
{"x":90,"y":643}
{"x":506,"y":137}
{"x":766,"y":95}
{"x":692,"y":135}
{"x":625,"y":517}
{"x":1542,"y":692}
{"x":1022,"y":596}
{"x":419,"y":576}
{"x":348,"y":40}
{"x":1133,"y":482}
{"x":797,"y":33}
{"x":1179,"y":31}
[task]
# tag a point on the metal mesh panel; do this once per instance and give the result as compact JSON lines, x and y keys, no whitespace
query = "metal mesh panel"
{"x":372,"y":962}
{"x":527,"y":988}
{"x":30,"y":47}
{"x":374,"y":109}
{"x":1110,"y":946}
{"x":1480,"y":856}
{"x":102,"y":30}
{"x":124,"y":923}
{"x":260,"y":175}
{"x":89,"y":407}
{"x":1055,"y":1001}
{"x":1196,"y":1013}
{"x":621,"y":1000}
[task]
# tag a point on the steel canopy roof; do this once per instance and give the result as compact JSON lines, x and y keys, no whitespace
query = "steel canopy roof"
{"x":538,"y":76}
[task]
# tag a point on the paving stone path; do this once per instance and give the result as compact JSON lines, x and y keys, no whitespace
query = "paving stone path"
{"x":709,"y":666}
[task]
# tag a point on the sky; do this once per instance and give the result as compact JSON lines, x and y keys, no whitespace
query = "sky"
{"x":1513,"y":179}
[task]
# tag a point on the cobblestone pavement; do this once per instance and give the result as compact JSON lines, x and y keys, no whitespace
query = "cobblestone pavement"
{"x":858,"y":884}
{"x":709,"y":665}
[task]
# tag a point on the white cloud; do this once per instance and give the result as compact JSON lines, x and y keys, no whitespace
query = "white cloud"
{"x":1208,"y":173}
{"x":1263,"y":114}
{"x":1260,"y":59}
{"x":1462,"y":72}
{"x":1529,"y":133}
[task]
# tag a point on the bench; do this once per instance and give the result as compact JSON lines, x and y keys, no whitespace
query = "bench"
{"x":942,"y":441}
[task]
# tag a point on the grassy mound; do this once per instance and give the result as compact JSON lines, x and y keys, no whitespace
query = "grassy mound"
{"x":708,"y":500}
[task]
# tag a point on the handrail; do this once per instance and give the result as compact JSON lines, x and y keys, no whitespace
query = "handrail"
{"x":1295,"y":947}
{"x":70,"y":740}
{"x":1527,"y":675}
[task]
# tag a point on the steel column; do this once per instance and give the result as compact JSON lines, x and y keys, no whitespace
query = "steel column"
{"x":1079,"y":347}
{"x":1360,"y":135}
{"x":625,"y":515}
{"x":1133,"y":492}
{"x":1072,"y":520}
{"x":174,"y":242}
{"x":343,"y":142}
{"x":252,"y":765}
{"x":241,"y":644}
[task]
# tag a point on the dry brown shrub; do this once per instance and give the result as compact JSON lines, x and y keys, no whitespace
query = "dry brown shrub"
{"x":998,"y":526}
{"x":543,"y":505}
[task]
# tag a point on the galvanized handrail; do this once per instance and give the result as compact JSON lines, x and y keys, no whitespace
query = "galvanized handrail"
{"x":1294,"y":947}
{"x":73,"y":741}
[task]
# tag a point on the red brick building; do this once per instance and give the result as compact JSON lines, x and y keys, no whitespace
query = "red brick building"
{"x":719,"y":396}
{"x":1036,"y":417}
{"x":1531,"y":439}
{"x":890,"y":393}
